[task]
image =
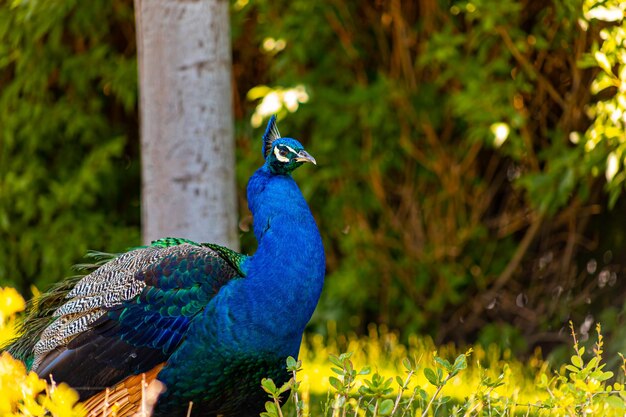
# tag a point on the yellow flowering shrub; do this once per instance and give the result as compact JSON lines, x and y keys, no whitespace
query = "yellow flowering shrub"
{"x":11,"y":303}
{"x":383,"y":352}
{"x":488,"y":381}
{"x":23,"y":393}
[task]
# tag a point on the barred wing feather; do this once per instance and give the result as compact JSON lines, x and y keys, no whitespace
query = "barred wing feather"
{"x":129,"y":315}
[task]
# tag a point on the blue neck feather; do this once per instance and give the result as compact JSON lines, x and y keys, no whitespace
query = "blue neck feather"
{"x":286,"y":274}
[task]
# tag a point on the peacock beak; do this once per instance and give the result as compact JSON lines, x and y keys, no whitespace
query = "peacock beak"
{"x":303,"y":156}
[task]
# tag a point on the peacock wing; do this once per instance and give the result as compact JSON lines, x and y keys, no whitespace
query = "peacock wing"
{"x":40,"y":309}
{"x":130,"y":314}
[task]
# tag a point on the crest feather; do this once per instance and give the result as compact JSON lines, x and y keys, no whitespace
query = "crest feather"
{"x":271,"y":134}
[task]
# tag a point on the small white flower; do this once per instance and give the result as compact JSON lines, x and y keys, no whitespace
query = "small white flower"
{"x":500,"y":132}
{"x":612,"y":166}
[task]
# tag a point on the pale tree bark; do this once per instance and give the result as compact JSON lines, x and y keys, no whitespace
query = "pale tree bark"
{"x":187,"y":142}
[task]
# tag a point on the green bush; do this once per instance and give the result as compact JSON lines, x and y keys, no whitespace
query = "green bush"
{"x":69,"y":177}
{"x":465,"y":157}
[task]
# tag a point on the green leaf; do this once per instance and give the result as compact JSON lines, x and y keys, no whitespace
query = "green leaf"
{"x":444,"y":363}
{"x":268,"y":386}
{"x":612,"y":401}
{"x":431,"y":377}
{"x":291,"y":363}
{"x":593,"y":362}
{"x":335,"y":361}
{"x":258,"y":92}
{"x":338,"y":371}
{"x":601,"y":376}
{"x":365,"y":371}
{"x":386,"y":407}
{"x":460,"y":362}
{"x":271,"y":410}
{"x":423,"y":394}
{"x":603,"y":62}
{"x":337,"y":384}
{"x":286,"y":386}
{"x":577,"y":361}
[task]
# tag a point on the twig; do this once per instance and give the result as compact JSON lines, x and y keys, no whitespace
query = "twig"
{"x":408,"y":407}
{"x":295,"y":394}
{"x":528,"y":67}
{"x":519,"y":253}
{"x":439,"y":388}
{"x":399,"y":397}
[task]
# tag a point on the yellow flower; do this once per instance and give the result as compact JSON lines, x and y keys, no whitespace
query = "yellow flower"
{"x":25,"y":394}
{"x":62,"y":402}
{"x":11,"y":302}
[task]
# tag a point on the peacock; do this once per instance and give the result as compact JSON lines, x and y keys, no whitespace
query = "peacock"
{"x":201,"y":322}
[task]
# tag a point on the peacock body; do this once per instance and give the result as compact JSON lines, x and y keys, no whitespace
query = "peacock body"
{"x":203,"y":321}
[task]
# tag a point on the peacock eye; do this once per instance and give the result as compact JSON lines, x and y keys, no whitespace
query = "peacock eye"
{"x":281,"y":154}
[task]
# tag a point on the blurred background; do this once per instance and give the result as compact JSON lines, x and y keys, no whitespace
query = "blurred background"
{"x":471,"y":154}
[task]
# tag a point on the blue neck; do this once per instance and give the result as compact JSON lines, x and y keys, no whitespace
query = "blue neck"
{"x":286,"y":274}
{"x":278,"y":196}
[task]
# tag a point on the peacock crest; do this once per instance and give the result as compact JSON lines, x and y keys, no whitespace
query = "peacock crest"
{"x":271,"y":134}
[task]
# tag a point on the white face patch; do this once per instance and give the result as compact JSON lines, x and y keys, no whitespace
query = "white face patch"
{"x":279,"y":156}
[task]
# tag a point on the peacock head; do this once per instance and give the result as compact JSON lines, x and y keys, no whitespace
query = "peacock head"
{"x":282,"y":155}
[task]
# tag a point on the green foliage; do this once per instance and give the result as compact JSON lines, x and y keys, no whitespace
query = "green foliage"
{"x":609,"y":85}
{"x":444,"y":372}
{"x":584,"y":388}
{"x":68,"y":92}
{"x":272,"y":408}
{"x":456,"y":180}
{"x":294,"y":367}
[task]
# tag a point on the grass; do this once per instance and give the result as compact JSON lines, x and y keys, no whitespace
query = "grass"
{"x":376,"y":375}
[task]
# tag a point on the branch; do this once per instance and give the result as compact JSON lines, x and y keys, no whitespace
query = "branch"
{"x":529,"y":68}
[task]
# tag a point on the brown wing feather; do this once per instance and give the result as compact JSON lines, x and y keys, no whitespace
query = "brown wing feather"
{"x":134,"y":395}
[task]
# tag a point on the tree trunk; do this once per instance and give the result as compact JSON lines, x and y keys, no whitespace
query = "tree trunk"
{"x":186,"y":120}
